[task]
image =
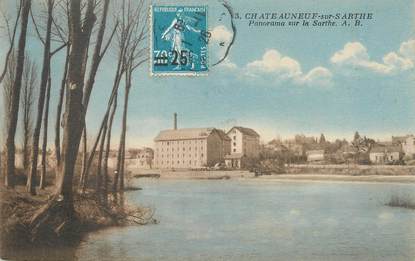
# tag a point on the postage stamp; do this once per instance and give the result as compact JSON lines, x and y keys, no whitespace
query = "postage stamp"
{"x":178,"y":40}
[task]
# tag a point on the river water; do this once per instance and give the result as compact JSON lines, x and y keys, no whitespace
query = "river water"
{"x":255,"y":219}
{"x":261,"y":220}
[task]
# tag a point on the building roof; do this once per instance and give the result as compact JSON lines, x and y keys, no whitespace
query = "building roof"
{"x":245,"y":131}
{"x":384,"y":149}
{"x":399,"y":139}
{"x":188,"y":134}
{"x":222,"y":134}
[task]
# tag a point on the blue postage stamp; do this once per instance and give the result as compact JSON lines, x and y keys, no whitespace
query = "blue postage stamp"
{"x":179,"y":42}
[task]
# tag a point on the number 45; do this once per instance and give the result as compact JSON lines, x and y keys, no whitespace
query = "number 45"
{"x":182,"y":59}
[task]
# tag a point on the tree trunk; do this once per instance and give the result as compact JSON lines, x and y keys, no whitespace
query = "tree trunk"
{"x":79,"y":37}
{"x":96,"y":59}
{"x":84,"y":149}
{"x":121,"y":150}
{"x":85,"y":173}
{"x":107,"y":150}
{"x":59,"y":110}
{"x":31,"y":178}
{"x":29,"y":78}
{"x":45,"y":137}
{"x":14,"y":110}
{"x":98,"y":186}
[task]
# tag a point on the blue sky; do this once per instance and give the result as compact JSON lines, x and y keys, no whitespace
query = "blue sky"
{"x":279,"y":80}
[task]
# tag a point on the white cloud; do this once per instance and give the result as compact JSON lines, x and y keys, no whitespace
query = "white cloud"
{"x":273,"y":62}
{"x":320,"y":76}
{"x":397,"y":63}
{"x":221,"y":34}
{"x":281,"y":68}
{"x":407,"y":49}
{"x":355,"y":55}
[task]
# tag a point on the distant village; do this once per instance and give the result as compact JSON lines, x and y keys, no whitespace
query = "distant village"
{"x":240,"y":148}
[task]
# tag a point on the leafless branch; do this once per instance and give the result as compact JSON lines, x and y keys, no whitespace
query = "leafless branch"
{"x":36,"y":28}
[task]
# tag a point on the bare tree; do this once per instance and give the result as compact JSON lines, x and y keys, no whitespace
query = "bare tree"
{"x":7,"y":89}
{"x":62,"y":32}
{"x":11,"y":33}
{"x":31,"y":177}
{"x":14,"y":104}
{"x":7,"y":95}
{"x":59,"y":110}
{"x":27,"y":102}
{"x":45,"y":135}
{"x":96,"y":60}
{"x":107,"y":152}
{"x":136,"y":53}
{"x":43,"y":101}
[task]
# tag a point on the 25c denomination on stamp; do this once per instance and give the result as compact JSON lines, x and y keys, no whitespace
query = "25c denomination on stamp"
{"x":179,"y":42}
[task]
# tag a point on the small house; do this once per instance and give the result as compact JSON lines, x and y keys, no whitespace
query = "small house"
{"x":385,"y":154}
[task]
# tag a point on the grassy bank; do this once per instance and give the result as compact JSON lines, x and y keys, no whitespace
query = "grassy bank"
{"x":17,"y":229}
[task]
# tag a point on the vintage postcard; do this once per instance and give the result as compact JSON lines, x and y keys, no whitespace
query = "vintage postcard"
{"x":207,"y":130}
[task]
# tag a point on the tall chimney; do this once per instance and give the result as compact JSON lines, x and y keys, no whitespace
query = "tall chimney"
{"x":175,"y":121}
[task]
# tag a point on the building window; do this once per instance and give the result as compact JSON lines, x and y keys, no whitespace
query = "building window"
{"x":201,"y":155}
{"x":168,"y":143}
{"x":234,"y":137}
{"x":190,"y":148}
{"x":234,"y":150}
{"x":184,"y":149}
{"x":234,"y":144}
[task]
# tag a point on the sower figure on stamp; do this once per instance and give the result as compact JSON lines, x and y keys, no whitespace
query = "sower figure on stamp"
{"x":175,"y":33}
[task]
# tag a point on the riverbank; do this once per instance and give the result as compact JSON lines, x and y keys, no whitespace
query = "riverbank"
{"x":19,"y":229}
{"x":356,"y":173}
{"x":341,"y":178}
{"x":192,"y":174}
